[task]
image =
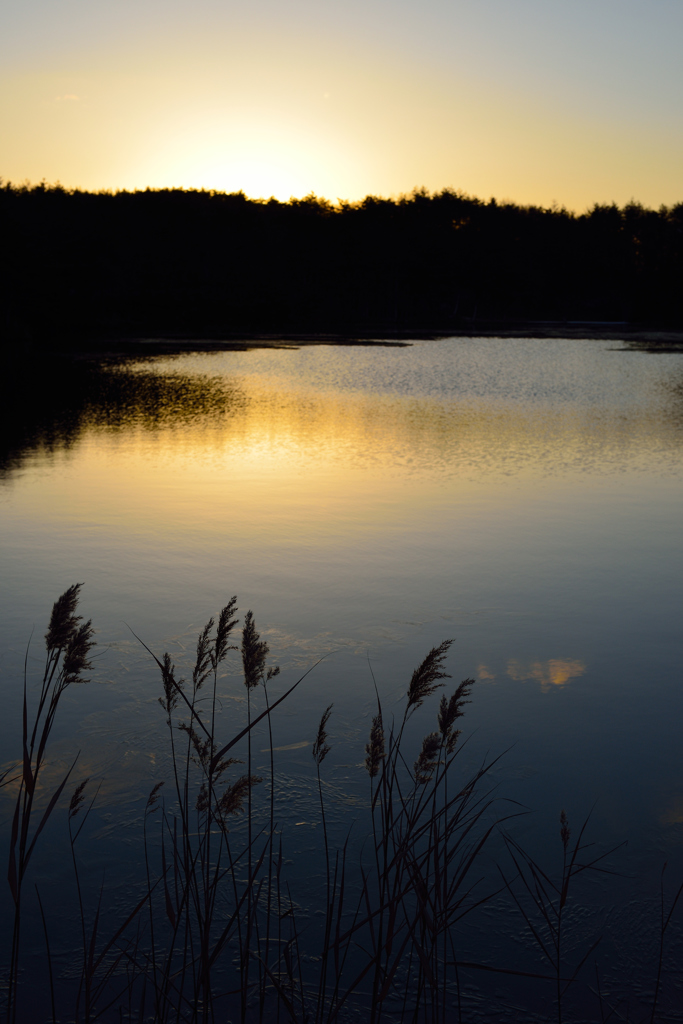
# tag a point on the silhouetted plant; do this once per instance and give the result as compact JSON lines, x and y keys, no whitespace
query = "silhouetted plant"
{"x":216,"y":902}
{"x":544,"y":900}
{"x":68,"y":642}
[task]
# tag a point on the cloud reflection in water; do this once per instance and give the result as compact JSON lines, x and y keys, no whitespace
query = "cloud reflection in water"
{"x":554,"y":672}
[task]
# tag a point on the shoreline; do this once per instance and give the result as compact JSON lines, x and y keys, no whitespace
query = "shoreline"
{"x":633,"y":337}
{"x":629,"y":338}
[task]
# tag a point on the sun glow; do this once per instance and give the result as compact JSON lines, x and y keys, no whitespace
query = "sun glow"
{"x":257,"y":155}
{"x":284,"y":100}
{"x":288,"y":114}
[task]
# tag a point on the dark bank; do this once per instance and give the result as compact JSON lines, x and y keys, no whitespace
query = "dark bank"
{"x":80,"y":266}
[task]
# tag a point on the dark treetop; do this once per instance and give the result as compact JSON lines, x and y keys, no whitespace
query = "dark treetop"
{"x":79,"y":265}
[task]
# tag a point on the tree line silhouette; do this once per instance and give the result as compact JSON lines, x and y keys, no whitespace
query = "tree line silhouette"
{"x":80,"y":265}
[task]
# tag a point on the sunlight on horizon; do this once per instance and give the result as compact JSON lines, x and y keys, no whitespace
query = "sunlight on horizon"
{"x":538,"y":109}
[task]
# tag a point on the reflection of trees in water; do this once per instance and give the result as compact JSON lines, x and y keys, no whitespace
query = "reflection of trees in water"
{"x":48,"y":405}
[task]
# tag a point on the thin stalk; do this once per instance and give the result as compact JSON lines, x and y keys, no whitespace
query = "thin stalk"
{"x":322,"y":986}
{"x":245,"y":954}
{"x":270,"y":848}
{"x":49,"y":959}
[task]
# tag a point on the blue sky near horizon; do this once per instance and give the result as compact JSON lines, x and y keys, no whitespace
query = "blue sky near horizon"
{"x":532,"y":100}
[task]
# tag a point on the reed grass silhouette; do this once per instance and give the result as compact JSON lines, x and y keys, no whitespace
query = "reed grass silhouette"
{"x":216,"y":933}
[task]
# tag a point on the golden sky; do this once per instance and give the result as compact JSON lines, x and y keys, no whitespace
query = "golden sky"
{"x":532,"y":100}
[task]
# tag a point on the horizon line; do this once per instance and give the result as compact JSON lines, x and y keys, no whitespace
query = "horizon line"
{"x":338,"y":204}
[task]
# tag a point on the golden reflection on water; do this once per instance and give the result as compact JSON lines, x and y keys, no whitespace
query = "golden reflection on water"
{"x":554,"y":672}
{"x":269,"y":428}
{"x":465,"y":408}
{"x":176,"y":451}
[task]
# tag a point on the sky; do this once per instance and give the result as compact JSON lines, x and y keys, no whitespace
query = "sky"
{"x":570,"y":102}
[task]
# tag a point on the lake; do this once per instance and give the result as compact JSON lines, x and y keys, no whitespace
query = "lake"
{"x":522,"y":496}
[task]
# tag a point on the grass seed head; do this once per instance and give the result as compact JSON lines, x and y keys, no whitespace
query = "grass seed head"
{"x":63,"y":620}
{"x":375,"y":748}
{"x":254,"y":653}
{"x":321,"y":748}
{"x":424,"y":680}
{"x":77,"y":798}
{"x":451,"y":710}
{"x":428,"y":758}
{"x":153,"y":796}
{"x":171,"y":686}
{"x":232,"y":798}
{"x":203,"y":662}
{"x":78,"y":647}
{"x":226,"y":624}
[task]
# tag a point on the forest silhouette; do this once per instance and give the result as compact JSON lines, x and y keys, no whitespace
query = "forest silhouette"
{"x":80,"y":265}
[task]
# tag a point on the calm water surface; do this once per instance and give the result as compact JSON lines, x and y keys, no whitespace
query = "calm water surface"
{"x":522,"y":496}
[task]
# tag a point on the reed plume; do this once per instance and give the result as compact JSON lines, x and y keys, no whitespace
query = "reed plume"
{"x":450,"y":711}
{"x":77,"y":799}
{"x":321,"y":747}
{"x":233,"y":797}
{"x":63,"y":620}
{"x":153,"y":797}
{"x":172,"y":686}
{"x":203,"y":662}
{"x":254,"y":653}
{"x":374,"y":749}
{"x":428,"y":758}
{"x":424,"y":679}
{"x":226,"y":624}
